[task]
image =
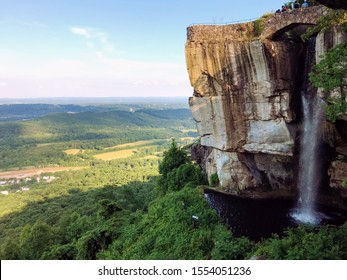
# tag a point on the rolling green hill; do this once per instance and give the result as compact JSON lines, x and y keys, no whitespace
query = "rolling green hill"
{"x":143,"y":118}
{"x":42,"y":141}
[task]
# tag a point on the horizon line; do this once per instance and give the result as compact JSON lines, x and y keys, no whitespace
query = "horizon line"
{"x":94,"y":97}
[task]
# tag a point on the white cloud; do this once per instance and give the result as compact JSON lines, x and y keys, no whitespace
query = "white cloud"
{"x":75,"y":87}
{"x":93,"y":36}
{"x":81,"y":31}
{"x":99,"y":74}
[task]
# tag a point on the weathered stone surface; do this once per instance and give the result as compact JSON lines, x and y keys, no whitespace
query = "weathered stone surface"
{"x":279,"y":23}
{"x":217,"y":124}
{"x":274,"y":25}
{"x":247,"y":172}
{"x":269,"y":137}
{"x":237,"y":86}
{"x":246,"y":101}
{"x":337,"y":172}
{"x":199,"y":154}
{"x":279,"y":171}
{"x":242,"y":103}
{"x":234,"y":176}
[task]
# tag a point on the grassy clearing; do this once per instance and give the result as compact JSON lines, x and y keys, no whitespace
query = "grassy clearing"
{"x":132,"y":144}
{"x":188,"y":130}
{"x":191,"y":139}
{"x":73,"y":151}
{"x":116,"y":155}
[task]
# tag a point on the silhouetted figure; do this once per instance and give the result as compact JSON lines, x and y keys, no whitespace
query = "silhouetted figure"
{"x":305,"y":4}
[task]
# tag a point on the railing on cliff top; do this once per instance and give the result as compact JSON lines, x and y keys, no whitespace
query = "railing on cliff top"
{"x":288,"y":12}
{"x":225,"y":23}
{"x":273,"y":25}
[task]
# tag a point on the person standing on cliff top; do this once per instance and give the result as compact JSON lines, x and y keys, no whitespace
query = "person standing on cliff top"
{"x":305,"y":4}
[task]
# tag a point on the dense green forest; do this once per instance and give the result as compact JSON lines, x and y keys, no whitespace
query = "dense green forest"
{"x":134,"y":194}
{"x":125,"y":209}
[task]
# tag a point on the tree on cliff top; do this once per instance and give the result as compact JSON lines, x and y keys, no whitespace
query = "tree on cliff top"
{"x":177,"y":171}
{"x":330,"y":74}
{"x":324,"y":23}
{"x":173,"y":158}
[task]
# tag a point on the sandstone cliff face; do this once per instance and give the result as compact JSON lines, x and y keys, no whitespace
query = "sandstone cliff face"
{"x":246,"y":104}
{"x":243,"y":93}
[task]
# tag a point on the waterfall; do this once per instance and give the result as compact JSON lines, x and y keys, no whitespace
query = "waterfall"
{"x":309,"y":161}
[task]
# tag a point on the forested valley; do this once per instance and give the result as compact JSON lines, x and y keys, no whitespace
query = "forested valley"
{"x":127,"y":190}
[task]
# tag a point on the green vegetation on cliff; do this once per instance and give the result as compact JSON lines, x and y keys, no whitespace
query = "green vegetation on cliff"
{"x":332,"y":18}
{"x":307,"y":243}
{"x":330,"y":74}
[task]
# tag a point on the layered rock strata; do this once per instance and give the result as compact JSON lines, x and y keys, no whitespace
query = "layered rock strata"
{"x":246,"y":104}
{"x":243,"y":92}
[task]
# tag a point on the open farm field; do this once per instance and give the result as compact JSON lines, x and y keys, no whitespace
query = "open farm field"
{"x":73,"y":151}
{"x":133,"y":144}
{"x":191,"y":139}
{"x":116,"y":155}
{"x":23,"y":173}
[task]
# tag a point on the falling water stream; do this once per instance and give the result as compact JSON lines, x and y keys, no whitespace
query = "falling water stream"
{"x":309,"y":163}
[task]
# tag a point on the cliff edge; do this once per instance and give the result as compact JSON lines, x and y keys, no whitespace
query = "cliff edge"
{"x":246,"y":103}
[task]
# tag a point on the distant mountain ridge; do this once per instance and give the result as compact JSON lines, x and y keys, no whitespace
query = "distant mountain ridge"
{"x":141,"y":118}
{"x":92,"y":125}
{"x":14,"y":112}
{"x":95,"y":100}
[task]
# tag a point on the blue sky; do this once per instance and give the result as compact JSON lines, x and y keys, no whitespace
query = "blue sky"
{"x":84,"y":48}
